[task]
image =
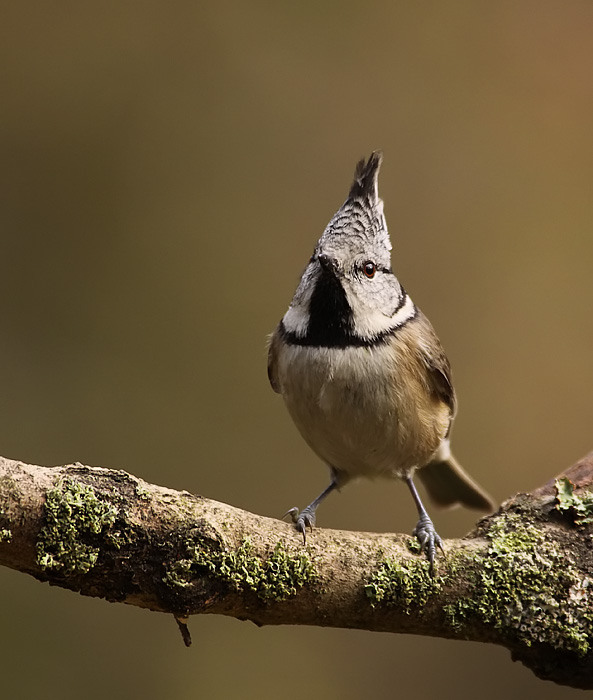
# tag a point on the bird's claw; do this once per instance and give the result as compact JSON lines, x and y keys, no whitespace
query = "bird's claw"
{"x":429,"y":539}
{"x":293,"y":512}
{"x":302,"y":520}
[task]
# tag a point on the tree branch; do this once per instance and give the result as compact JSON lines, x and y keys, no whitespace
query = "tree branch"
{"x":522,"y":579}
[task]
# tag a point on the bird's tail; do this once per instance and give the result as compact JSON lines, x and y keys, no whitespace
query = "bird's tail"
{"x":448,"y":485}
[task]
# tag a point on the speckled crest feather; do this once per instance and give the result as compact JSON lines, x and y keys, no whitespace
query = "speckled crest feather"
{"x":366,"y":177}
{"x":359,"y":226}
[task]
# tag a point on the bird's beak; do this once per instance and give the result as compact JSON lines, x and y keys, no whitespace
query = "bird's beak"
{"x":328,"y":264}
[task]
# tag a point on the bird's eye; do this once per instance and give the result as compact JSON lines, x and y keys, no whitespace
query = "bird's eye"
{"x":369,"y":269}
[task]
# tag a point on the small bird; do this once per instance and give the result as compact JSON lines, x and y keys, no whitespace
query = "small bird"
{"x":361,"y":370}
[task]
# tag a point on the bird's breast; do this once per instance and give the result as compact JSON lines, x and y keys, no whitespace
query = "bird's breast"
{"x":363,"y":410}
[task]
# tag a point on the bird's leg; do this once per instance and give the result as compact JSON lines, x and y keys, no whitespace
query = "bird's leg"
{"x":306,"y":518}
{"x":424,"y":531}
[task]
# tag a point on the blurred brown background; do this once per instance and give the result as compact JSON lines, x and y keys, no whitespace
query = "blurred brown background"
{"x":166,"y":169}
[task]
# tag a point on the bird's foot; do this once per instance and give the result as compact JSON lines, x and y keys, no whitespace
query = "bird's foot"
{"x":429,"y":539}
{"x":302,"y":520}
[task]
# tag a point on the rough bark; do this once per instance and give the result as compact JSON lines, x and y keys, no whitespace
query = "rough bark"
{"x":522,"y":579}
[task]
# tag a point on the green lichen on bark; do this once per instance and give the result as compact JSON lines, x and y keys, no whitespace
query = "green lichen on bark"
{"x":526,"y":586}
{"x":75,"y":516}
{"x":142,"y":492}
{"x":274,"y":578}
{"x":579,"y":506}
{"x":407,"y":585}
{"x":9,"y":494}
{"x":5,"y":532}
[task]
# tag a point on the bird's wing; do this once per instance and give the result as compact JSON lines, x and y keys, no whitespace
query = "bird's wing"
{"x":440,"y":374}
{"x":273,"y":341}
{"x":437,"y":364}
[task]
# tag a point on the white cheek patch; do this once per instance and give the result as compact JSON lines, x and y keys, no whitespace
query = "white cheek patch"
{"x":370,"y":324}
{"x":405,"y":313}
{"x":296,"y":320}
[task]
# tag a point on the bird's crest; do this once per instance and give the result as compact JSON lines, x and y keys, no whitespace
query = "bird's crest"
{"x":366,"y":177}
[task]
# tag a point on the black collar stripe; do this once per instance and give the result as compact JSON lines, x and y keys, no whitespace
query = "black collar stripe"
{"x":343,"y":338}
